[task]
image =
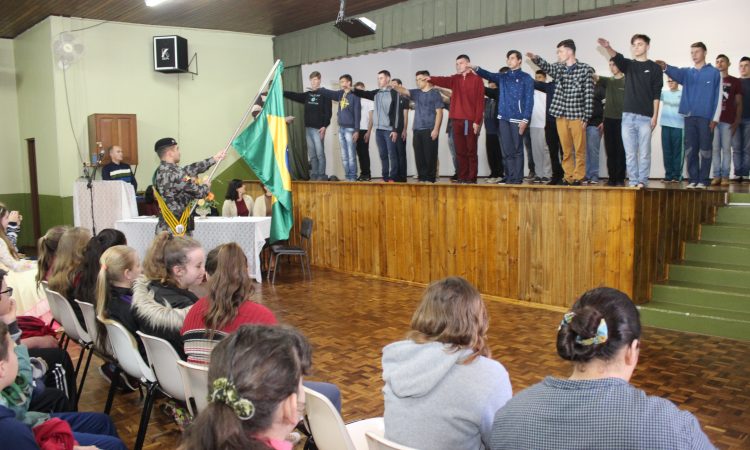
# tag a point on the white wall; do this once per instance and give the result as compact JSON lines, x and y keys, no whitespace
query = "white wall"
{"x":115,"y":75}
{"x":11,"y":181}
{"x":720,"y":24}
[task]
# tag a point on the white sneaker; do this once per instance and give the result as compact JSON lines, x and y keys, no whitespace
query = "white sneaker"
{"x":690,"y":186}
{"x":700,"y":186}
{"x":490,"y":180}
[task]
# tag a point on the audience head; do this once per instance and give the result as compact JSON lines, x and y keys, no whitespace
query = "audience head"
{"x":315,"y":80}
{"x":698,"y":52}
{"x":603,"y":326}
{"x":211,"y":261}
{"x":359,"y":85}
{"x":86,"y":288}
{"x":722,"y":62}
{"x":513,"y":59}
{"x":566,"y":49}
{"x":149,"y":194}
{"x":639,"y":45}
{"x":613,"y":67}
{"x":235,"y":190}
{"x":229,"y":286}
{"x":46,"y":248}
{"x":176,"y":261}
{"x":463,"y":64}
{"x":4,"y":221}
{"x":115,"y":154}
{"x":384,"y":79}
{"x":452,"y":312}
{"x":118,"y":266}
{"x":255,"y":389}
{"x":68,"y":258}
{"x":8,"y":358}
{"x":167,"y":150}
{"x":540,"y":75}
{"x":345,"y":81}
{"x":745,"y":67}
{"x":7,"y":304}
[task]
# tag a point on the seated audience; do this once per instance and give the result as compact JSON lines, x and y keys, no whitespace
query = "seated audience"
{"x":161,"y":297}
{"x":65,"y":274}
{"x":441,"y":387}
{"x":596,"y":407}
{"x":150,"y":207}
{"x":46,"y":250}
{"x":236,"y":202}
{"x":263,"y":206}
{"x":85,"y":290}
{"x":255,"y":391}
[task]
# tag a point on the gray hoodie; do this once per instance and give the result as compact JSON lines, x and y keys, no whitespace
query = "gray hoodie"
{"x":434,"y":402}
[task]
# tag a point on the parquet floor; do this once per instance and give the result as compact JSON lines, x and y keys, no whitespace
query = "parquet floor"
{"x":349,"y":319}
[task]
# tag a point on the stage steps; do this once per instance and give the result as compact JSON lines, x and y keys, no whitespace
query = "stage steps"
{"x":708,"y":292}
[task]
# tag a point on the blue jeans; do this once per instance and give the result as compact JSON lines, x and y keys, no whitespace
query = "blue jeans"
{"x":593,"y":145}
{"x":742,"y":150}
{"x":330,"y":391}
{"x":348,"y":153}
{"x":636,"y":138}
{"x":722,"y":154}
{"x":512,"y":149}
{"x":698,"y":149}
{"x":388,"y":154}
{"x":316,"y":154}
{"x":93,"y":429}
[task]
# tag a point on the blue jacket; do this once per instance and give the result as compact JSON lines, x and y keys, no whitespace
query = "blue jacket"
{"x":516,"y":92}
{"x":701,"y":91}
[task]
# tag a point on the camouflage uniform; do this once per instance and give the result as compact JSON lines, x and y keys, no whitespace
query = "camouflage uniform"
{"x":177,"y":187}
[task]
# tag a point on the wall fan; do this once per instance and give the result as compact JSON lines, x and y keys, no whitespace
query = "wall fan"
{"x":66,"y":50}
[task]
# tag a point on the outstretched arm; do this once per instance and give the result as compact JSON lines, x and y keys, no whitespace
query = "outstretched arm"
{"x":605,"y":43}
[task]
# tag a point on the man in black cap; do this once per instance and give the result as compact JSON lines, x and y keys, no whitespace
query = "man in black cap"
{"x":178,"y":186}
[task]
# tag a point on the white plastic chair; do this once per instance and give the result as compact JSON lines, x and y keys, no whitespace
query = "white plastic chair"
{"x":63,"y":312}
{"x":163,"y":359}
{"x":89,"y":317}
{"x":376,"y":441}
{"x":125,"y":349}
{"x":328,"y":428}
{"x":195,"y":379}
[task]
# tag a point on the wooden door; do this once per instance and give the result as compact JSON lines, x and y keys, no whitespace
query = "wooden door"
{"x":35,"y":219}
{"x":114,"y":129}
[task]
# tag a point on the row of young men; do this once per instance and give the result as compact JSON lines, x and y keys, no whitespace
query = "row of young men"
{"x":577,"y":111}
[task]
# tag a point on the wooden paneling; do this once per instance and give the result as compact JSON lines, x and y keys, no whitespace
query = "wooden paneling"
{"x":666,"y":218}
{"x":537,"y":244}
{"x":114,"y":129}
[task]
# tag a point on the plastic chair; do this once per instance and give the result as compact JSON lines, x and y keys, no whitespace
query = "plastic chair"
{"x":195,"y":380}
{"x":63,"y":312}
{"x":89,"y":317}
{"x":278,"y":250}
{"x":376,"y":441}
{"x":54,"y":311}
{"x":125,"y":349}
{"x":163,"y":359}
{"x":328,"y":428}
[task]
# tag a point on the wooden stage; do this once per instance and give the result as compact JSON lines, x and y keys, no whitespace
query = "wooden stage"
{"x":536,"y":244}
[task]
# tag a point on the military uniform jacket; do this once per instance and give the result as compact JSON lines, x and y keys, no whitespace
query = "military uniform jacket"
{"x":178,"y":187}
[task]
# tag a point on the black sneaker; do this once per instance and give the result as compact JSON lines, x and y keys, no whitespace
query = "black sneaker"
{"x":554,"y":182}
{"x":611,"y":183}
{"x":454,"y":178}
{"x":565,"y":183}
{"x":576,"y":183}
{"x":531,"y":175}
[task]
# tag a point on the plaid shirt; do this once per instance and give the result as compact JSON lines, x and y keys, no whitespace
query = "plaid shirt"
{"x":574,"y":95}
{"x":607,"y":413}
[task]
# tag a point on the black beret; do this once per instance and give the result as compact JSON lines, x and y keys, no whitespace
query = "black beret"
{"x":164,"y":142}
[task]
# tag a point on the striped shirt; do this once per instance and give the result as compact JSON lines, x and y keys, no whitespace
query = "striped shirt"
{"x":574,"y":94}
{"x":608,"y":413}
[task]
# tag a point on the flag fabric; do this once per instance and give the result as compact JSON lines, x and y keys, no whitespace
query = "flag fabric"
{"x":264,"y":145}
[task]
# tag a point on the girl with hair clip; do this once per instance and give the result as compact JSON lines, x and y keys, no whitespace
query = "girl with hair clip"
{"x":161,"y":297}
{"x":596,"y":407}
{"x":21,"y":272}
{"x":441,"y":387}
{"x":255,"y":391}
{"x":236,"y":202}
{"x":85,"y":290}
{"x":46,"y":249}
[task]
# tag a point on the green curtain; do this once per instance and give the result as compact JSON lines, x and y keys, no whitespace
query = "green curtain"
{"x":299,"y":166}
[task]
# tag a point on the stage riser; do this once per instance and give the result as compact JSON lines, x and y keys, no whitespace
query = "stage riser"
{"x":544,"y":245}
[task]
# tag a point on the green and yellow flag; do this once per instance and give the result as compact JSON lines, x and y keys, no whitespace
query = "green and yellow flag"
{"x":264,"y":145}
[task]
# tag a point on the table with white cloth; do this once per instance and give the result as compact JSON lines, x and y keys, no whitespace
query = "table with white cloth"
{"x":250,"y":233}
{"x":113,"y":200}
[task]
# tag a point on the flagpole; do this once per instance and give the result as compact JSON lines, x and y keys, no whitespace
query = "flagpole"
{"x":247,"y":113}
{"x":242,"y":122}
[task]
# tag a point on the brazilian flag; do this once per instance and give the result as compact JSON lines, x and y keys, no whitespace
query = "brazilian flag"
{"x":264,"y":145}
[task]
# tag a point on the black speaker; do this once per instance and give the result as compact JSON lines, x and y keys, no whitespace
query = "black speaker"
{"x":170,"y":54}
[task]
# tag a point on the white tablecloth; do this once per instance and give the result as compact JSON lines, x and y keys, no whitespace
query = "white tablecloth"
{"x":113,"y":201}
{"x":249,"y":232}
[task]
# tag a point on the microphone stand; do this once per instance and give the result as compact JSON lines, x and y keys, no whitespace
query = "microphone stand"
{"x":90,"y":177}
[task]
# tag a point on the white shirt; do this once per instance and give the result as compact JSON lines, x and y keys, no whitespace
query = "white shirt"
{"x":539,"y":113}
{"x":367,"y":106}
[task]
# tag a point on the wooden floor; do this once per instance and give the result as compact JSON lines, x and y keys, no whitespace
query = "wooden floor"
{"x":349,"y":319}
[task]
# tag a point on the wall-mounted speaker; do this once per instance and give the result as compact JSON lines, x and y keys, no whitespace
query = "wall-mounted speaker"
{"x":170,"y":54}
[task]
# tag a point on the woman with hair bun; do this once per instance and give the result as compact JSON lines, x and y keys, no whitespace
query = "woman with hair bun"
{"x":596,"y":407}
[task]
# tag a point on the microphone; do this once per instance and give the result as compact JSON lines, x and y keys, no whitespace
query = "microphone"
{"x":100,"y":157}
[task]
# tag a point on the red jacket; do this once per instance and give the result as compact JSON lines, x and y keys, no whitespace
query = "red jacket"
{"x":467,"y":101}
